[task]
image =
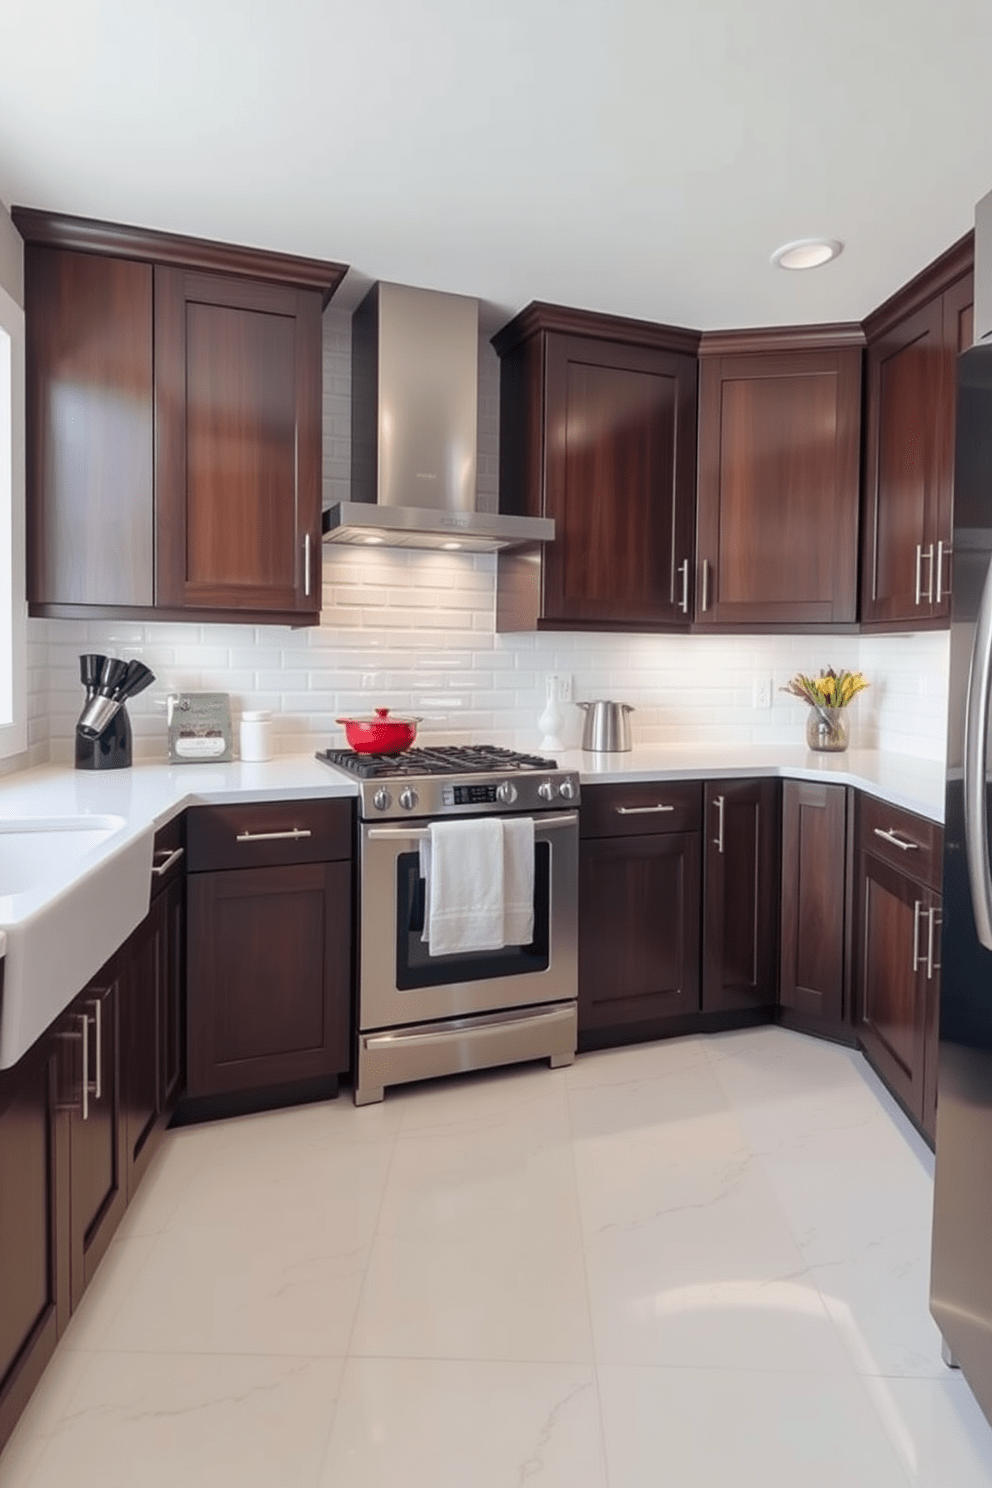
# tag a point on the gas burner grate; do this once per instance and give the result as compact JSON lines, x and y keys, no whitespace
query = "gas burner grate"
{"x":444,"y":759}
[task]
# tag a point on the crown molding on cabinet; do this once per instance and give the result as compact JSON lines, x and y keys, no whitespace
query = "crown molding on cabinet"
{"x":86,"y":235}
{"x":958,"y":260}
{"x":831,"y":337}
{"x":540,"y":316}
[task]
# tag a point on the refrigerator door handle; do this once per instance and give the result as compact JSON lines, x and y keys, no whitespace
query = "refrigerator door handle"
{"x":976,"y":722}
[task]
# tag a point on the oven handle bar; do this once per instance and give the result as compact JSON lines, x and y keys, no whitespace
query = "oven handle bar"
{"x":404,"y":834}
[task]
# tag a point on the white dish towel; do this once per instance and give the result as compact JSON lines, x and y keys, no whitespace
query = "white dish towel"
{"x":479,"y":877}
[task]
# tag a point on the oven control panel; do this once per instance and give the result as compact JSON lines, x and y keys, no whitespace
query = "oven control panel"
{"x":468,"y":795}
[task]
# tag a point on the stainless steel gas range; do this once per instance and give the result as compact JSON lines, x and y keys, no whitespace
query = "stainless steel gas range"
{"x":422,"y":1014}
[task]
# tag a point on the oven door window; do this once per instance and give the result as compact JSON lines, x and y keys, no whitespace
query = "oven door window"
{"x":416,"y":967}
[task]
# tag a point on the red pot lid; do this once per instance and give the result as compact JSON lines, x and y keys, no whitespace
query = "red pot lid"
{"x":381,"y":715}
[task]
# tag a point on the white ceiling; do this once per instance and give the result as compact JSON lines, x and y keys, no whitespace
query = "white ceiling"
{"x":636,"y":156}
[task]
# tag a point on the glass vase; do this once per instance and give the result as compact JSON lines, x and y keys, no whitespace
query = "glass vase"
{"x":827,"y":729}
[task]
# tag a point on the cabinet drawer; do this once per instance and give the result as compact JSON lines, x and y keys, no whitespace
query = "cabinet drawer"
{"x":168,"y":854}
{"x":909,"y":843}
{"x":266,"y":834}
{"x":642,"y":807}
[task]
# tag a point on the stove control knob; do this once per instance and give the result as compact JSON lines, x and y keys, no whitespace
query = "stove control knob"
{"x":567,"y":790}
{"x":506,"y":793}
{"x":546,"y":790}
{"x":408,"y":798}
{"x":382,"y":800}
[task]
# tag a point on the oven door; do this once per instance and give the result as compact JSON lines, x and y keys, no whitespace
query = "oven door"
{"x":401,"y":983}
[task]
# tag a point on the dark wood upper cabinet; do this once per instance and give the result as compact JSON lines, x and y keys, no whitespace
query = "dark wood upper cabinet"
{"x":90,"y":441}
{"x":740,"y":894}
{"x":777,"y":513}
{"x":598,"y":421}
{"x":237,"y":404}
{"x":174,"y":424}
{"x":913,"y":343}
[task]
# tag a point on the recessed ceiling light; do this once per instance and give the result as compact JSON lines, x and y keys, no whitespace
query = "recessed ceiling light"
{"x":806,"y":253}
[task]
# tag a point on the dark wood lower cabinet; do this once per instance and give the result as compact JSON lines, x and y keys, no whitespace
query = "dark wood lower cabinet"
{"x":268,"y":947}
{"x":740,"y":898}
{"x":897,"y":926}
{"x":34,"y":1301}
{"x":638,"y":928}
{"x":814,"y":965}
{"x":91,"y":1104}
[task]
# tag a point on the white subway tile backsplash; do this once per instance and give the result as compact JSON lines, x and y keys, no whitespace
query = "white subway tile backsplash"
{"x":416,"y":632}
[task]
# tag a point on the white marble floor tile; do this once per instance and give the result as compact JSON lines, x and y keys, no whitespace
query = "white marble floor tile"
{"x":204,"y":1422}
{"x":464,"y":1104}
{"x":478,"y":1253}
{"x":231,"y":1288}
{"x":115,"y":1275}
{"x":637,"y":1062}
{"x":938,"y":1432}
{"x":424,"y":1423}
{"x":712,"y":1428}
{"x":878,"y":1298}
{"x":66,"y":1370}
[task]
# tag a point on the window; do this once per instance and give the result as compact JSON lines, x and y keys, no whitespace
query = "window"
{"x":13,"y":629}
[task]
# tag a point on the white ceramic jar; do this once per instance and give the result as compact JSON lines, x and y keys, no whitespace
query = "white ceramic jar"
{"x":256,"y":735}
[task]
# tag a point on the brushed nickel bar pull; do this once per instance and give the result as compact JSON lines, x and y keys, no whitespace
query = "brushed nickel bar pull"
{"x":158,"y":869}
{"x":97,"y":1006}
{"x":944,"y":550}
{"x":640,"y":810}
{"x":684,"y":602}
{"x":917,"y":907}
{"x":292,"y":836}
{"x":83,"y":1034}
{"x":896,"y":840}
{"x":919,"y":580}
{"x":719,"y":802}
{"x":927,"y":557}
{"x":704,"y":584}
{"x":934,"y":922}
{"x":306,"y":565}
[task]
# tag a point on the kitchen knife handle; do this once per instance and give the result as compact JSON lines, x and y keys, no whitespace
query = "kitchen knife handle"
{"x":976,"y":723}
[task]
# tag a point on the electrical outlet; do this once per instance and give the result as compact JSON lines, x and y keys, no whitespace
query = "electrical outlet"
{"x":558,"y":686}
{"x":763,"y":692}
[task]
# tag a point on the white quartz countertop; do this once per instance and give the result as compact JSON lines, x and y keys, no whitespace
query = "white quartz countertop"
{"x":901,"y":780}
{"x":150,"y":794}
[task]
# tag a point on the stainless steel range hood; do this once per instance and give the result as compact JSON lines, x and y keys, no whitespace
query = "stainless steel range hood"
{"x":414,"y":429}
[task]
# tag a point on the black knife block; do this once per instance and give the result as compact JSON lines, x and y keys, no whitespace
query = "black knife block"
{"x":110,"y":750}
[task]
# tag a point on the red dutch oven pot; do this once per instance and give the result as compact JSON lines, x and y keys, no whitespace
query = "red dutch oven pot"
{"x":380,"y":734}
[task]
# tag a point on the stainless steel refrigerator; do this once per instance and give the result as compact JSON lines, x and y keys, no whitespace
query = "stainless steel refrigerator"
{"x":961,"y":1277}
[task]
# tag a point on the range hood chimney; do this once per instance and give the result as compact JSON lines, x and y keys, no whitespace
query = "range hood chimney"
{"x":414,"y":417}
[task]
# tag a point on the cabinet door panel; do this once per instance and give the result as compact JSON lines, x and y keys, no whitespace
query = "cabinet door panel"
{"x":171,"y":1039}
{"x":740,"y":920}
{"x":617,"y":420}
{"x":97,"y":1159}
{"x":29,"y":1301}
{"x":891,"y":984}
{"x":905,"y":371}
{"x":268,"y":976}
{"x":778,"y":488}
{"x":89,"y":420}
{"x":958,"y":334}
{"x":813,"y":973}
{"x":237,"y":379}
{"x":638,"y":928}
{"x":141,"y":960}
